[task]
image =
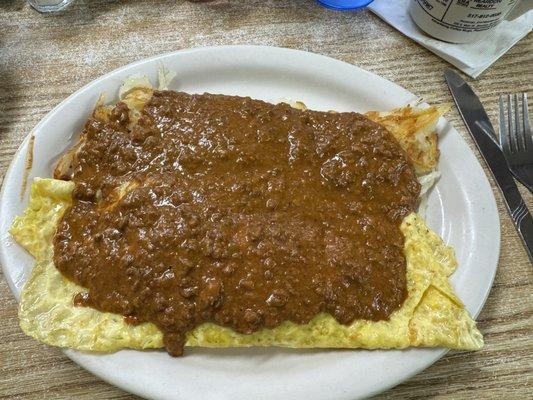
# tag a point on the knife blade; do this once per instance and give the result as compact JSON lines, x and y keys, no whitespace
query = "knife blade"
{"x":478,"y":124}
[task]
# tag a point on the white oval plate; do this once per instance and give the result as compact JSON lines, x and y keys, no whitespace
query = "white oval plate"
{"x":461,"y":209}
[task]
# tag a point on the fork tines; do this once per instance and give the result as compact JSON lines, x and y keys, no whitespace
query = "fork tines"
{"x":515,"y":135}
{"x":516,"y":141}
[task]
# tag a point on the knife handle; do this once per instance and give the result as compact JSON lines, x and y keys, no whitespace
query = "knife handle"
{"x":524,"y":224}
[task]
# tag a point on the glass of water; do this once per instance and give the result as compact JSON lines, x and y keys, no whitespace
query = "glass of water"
{"x":345,"y":4}
{"x":47,"y":6}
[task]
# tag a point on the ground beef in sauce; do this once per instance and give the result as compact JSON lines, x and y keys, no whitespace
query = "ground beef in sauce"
{"x":237,"y":212}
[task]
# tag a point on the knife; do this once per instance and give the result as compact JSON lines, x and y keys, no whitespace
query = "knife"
{"x":478,"y":124}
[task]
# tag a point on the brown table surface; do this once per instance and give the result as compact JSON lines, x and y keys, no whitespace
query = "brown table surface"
{"x":43,"y":59}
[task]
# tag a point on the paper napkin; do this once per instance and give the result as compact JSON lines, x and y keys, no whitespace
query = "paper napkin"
{"x":471,"y":58}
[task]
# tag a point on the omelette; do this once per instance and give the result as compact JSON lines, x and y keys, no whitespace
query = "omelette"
{"x":429,"y":315}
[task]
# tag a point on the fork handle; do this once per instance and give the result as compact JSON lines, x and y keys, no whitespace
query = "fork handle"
{"x":524,"y":224}
{"x":528,"y":172}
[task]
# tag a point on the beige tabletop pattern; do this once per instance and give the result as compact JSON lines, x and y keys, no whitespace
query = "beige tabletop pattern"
{"x":43,"y":59}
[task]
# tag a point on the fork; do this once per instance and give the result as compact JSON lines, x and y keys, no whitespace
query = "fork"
{"x":515,"y":138}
